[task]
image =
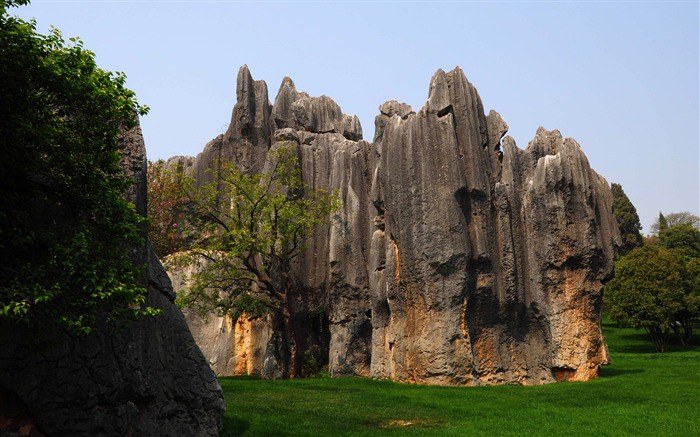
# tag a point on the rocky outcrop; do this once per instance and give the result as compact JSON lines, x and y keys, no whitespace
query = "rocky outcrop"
{"x":456,"y":258}
{"x":145,"y":378}
{"x":493,"y":259}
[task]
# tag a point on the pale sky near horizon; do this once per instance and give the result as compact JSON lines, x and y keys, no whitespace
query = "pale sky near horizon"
{"x":620,"y":77}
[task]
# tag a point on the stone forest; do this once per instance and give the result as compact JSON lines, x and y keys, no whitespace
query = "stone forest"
{"x":455,"y":258}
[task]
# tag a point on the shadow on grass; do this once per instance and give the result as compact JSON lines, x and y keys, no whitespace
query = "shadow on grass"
{"x":245,"y":377}
{"x":634,"y":343}
{"x":234,"y":426}
{"x":611,"y":372}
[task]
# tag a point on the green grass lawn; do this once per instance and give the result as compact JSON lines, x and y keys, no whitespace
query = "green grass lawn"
{"x":641,"y":393}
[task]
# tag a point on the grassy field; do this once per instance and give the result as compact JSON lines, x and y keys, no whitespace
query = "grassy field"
{"x":640,"y":394}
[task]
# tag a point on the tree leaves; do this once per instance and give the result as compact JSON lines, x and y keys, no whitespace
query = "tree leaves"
{"x":66,"y":229}
{"x":245,"y":230}
{"x":655,"y":288}
{"x":627,"y":220}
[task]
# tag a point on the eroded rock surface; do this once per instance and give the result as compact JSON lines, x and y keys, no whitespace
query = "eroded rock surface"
{"x":456,"y":258}
{"x":493,"y":258}
{"x":149,"y":378}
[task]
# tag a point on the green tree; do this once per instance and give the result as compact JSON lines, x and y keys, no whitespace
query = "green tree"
{"x":66,"y":228}
{"x":245,"y":231}
{"x":655,"y":288}
{"x":682,"y":236}
{"x":660,"y":225}
{"x":627,"y":220}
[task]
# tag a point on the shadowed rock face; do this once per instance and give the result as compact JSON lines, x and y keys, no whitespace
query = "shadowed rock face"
{"x":457,"y":258}
{"x":150,"y":378}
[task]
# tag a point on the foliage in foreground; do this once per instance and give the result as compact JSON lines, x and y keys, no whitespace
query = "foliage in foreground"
{"x":640,"y":394}
{"x":66,"y":228}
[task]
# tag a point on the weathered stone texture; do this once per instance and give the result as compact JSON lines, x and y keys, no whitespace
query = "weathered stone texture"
{"x":456,"y":258}
{"x":493,"y":259}
{"x":147,"y":378}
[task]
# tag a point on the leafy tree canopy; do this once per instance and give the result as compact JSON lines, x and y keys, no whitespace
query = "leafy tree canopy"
{"x":66,"y":228}
{"x":627,"y":220}
{"x":247,"y":229}
{"x":683,"y":237}
{"x":243,"y":232}
{"x":656,"y":288}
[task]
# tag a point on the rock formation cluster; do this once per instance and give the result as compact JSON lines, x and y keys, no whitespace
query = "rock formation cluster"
{"x":456,"y":257}
{"x":147,"y":379}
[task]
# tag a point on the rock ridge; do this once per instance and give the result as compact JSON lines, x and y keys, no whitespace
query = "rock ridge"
{"x":457,"y":258}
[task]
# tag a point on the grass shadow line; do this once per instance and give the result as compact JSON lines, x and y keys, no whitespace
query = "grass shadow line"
{"x":612,"y":372}
{"x":234,"y":426}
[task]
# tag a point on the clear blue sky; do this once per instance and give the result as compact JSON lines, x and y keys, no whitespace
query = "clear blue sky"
{"x":619,"y":77}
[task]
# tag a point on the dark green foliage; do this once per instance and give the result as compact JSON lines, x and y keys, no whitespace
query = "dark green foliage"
{"x":627,"y":220}
{"x":655,"y":288}
{"x":683,"y":237}
{"x":661,"y":224}
{"x":66,"y":228}
{"x":4,"y":4}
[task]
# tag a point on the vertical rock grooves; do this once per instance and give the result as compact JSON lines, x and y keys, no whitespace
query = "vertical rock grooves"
{"x":456,"y":258}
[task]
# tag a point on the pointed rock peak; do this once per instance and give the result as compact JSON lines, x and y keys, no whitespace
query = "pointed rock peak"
{"x":244,"y":82}
{"x":543,"y":132}
{"x":457,"y":75}
{"x":457,"y":71}
{"x":497,"y":128}
{"x":439,"y":95}
{"x":244,"y":74}
{"x":287,"y":83}
{"x":545,"y":143}
{"x":438,"y":80}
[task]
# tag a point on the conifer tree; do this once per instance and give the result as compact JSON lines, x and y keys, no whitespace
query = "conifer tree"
{"x":627,"y":220}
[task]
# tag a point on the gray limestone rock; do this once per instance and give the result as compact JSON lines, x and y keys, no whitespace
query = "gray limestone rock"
{"x":247,"y":139}
{"x":333,"y":324}
{"x":456,"y":258}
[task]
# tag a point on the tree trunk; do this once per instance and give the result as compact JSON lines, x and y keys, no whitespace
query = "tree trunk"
{"x":290,"y":336}
{"x":290,"y":343}
{"x":680,"y":331}
{"x":659,"y":337}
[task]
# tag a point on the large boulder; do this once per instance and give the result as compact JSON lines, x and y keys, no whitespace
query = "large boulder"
{"x":145,"y":378}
